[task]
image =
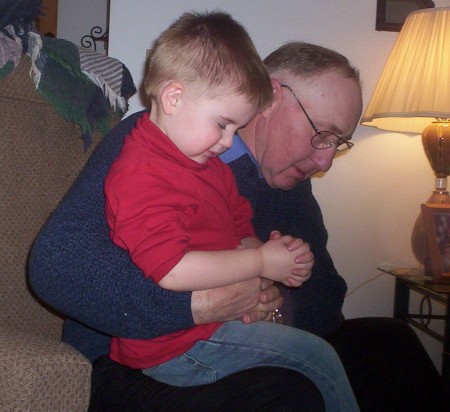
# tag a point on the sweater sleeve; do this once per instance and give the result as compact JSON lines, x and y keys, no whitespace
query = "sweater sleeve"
{"x":75,"y":267}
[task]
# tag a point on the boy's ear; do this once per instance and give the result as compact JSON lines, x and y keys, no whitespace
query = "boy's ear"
{"x":171,"y":97}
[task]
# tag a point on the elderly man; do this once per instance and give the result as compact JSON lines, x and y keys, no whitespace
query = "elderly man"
{"x":76,"y":269}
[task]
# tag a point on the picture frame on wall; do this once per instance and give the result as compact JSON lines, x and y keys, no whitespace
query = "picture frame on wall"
{"x":391,"y":14}
{"x":436,"y":219}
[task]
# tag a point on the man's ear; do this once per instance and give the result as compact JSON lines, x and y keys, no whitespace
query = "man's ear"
{"x":171,"y":97}
{"x":277,"y":96}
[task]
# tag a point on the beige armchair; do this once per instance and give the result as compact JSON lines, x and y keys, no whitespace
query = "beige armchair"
{"x":40,"y":156}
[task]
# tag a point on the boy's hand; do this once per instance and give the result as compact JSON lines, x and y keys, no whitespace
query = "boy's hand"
{"x":304,"y":259}
{"x":296,"y":243}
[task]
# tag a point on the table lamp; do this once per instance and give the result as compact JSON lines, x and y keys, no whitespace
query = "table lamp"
{"x":413,"y":95}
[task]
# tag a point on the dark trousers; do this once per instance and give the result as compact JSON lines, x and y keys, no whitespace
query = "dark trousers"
{"x":117,"y":388}
{"x":386,"y":364}
{"x":388,"y":367}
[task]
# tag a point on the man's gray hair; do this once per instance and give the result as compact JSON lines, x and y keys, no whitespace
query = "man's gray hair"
{"x":308,"y":60}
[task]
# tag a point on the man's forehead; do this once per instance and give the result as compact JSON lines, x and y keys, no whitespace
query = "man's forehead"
{"x":333,"y":99}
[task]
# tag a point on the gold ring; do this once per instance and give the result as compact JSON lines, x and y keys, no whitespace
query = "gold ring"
{"x":276,"y":316}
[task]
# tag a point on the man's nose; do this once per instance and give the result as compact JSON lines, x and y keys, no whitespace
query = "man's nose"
{"x":323,"y":159}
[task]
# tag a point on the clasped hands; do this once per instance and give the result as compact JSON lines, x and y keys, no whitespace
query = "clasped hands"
{"x":254,"y":299}
{"x":286,"y":259}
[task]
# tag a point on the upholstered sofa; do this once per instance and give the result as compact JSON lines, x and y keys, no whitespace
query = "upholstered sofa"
{"x":40,"y":156}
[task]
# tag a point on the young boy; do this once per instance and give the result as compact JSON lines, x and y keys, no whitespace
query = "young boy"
{"x":174,"y":206}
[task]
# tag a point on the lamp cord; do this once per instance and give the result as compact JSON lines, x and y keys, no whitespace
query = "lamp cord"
{"x":364,"y":283}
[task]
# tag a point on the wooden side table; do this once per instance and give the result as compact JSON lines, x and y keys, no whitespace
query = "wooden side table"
{"x":411,"y":279}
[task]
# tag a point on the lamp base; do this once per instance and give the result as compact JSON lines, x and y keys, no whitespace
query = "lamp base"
{"x":436,"y":143}
{"x":418,"y":238}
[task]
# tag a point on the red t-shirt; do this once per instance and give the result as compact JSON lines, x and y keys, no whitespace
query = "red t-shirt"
{"x":159,"y":205}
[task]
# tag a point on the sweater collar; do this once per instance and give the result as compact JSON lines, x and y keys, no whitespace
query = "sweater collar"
{"x":237,"y":150}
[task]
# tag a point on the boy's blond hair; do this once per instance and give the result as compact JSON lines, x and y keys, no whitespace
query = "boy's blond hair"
{"x":210,"y":49}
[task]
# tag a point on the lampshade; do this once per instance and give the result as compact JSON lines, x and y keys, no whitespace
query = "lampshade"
{"x":414,"y":88}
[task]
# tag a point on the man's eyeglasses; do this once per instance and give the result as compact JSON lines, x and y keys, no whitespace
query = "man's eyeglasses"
{"x":323,"y":139}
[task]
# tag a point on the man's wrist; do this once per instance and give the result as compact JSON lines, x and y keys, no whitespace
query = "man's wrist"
{"x":199,"y":306}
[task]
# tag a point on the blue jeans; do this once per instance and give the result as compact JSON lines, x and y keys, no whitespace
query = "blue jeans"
{"x":236,"y":346}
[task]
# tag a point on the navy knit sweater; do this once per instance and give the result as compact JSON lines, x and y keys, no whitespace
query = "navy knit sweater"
{"x":76,"y":269}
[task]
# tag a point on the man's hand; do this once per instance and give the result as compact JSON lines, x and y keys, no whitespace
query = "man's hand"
{"x":249,"y":301}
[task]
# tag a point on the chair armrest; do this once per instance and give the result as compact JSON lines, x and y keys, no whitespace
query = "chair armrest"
{"x":41,"y":374}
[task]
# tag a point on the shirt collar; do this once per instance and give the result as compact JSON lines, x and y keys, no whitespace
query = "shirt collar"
{"x":237,"y":150}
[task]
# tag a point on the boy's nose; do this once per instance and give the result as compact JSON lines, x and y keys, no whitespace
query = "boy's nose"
{"x":227,"y":140}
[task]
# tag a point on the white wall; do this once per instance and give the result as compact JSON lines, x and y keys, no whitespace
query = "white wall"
{"x":371,"y":197}
{"x":77,"y":18}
